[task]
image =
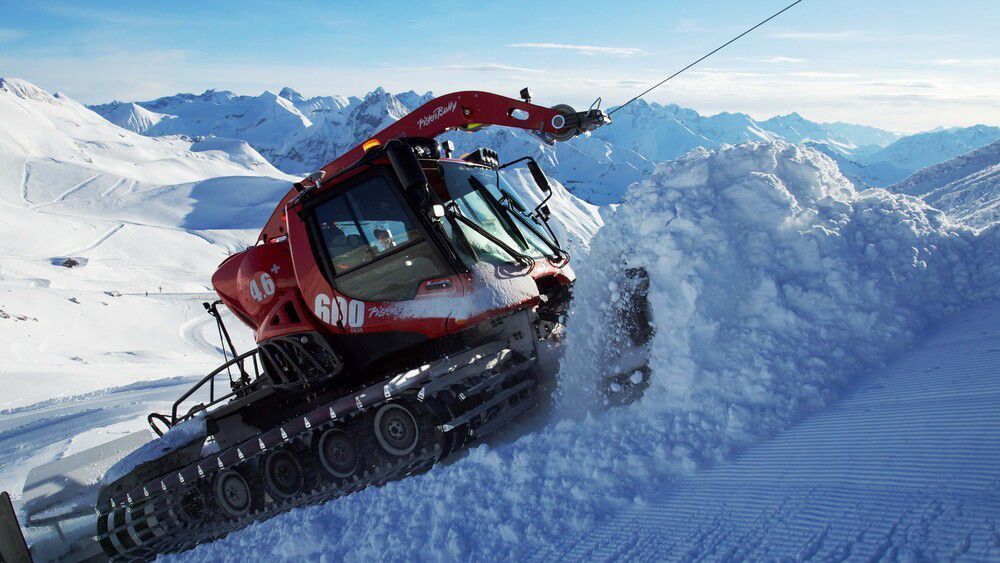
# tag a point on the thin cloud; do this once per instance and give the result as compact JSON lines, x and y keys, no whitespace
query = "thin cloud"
{"x":967,"y":62}
{"x":917,"y":84}
{"x":491,"y":67}
{"x":7,"y":34}
{"x":687,"y":26}
{"x":823,"y":75}
{"x":109,"y":17}
{"x":583,"y":49}
{"x":772,"y":60}
{"x":818,"y":35}
{"x":610,"y":83}
{"x":932,"y":100}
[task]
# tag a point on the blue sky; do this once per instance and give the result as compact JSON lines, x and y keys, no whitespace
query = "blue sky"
{"x":901,"y":64}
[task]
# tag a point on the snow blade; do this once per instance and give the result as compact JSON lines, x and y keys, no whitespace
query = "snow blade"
{"x":59,"y":499}
{"x":13,"y":548}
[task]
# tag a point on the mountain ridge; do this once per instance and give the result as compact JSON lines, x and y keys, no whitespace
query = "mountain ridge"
{"x":299,"y":134}
{"x":967,"y":187}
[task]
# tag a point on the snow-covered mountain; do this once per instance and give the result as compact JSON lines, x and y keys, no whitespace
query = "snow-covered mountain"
{"x":295,"y":133}
{"x":310,"y":106}
{"x":597,"y":168}
{"x":335,"y":131}
{"x":299,"y":134}
{"x":913,"y":152}
{"x":132,"y":116}
{"x":844,"y":138}
{"x":265,"y":121}
{"x":967,"y":187}
{"x":131,"y":214}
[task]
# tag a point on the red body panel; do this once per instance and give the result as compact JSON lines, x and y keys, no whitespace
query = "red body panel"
{"x":468,"y":109}
{"x":277,"y":288}
{"x":260,"y":286}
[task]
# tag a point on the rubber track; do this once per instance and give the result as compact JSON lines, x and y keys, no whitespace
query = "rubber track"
{"x":175,"y":536}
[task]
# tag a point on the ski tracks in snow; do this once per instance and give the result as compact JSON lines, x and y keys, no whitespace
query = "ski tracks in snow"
{"x":97,"y":241}
{"x":193,"y":332}
{"x":114,"y":186}
{"x":25,"y":176}
{"x":68,"y":192}
{"x":906,"y":466}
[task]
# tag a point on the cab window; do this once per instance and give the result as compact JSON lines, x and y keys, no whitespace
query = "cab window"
{"x":375,"y":248}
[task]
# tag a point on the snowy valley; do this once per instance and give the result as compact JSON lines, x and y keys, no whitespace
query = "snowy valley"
{"x":825,"y":375}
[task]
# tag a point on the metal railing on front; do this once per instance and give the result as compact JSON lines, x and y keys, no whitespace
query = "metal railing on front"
{"x":244,"y":377}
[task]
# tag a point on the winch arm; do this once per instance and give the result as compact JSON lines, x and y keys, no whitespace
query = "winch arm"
{"x":468,"y":111}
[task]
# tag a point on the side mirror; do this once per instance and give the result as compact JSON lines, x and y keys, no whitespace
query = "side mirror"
{"x":406,"y":166}
{"x":539,"y":176}
{"x":316,"y":178}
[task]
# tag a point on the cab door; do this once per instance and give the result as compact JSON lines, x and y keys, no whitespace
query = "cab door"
{"x":363,"y":258}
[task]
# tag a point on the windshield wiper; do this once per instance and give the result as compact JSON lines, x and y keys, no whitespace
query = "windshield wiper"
{"x":558,"y":252}
{"x":523,"y":259}
{"x":500,"y":210}
{"x":511,"y":207}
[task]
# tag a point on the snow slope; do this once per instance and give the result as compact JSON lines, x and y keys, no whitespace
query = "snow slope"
{"x":136,"y":215}
{"x":903,"y":468}
{"x":966,"y":187}
{"x":774,"y":285}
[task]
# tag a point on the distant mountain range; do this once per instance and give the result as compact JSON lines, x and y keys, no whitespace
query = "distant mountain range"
{"x":967,"y":187}
{"x":299,"y":134}
{"x":138,"y":207}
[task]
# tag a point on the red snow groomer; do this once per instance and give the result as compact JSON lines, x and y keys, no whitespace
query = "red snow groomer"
{"x":398,"y":297}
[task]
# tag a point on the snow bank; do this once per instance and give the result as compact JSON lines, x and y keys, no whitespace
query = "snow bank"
{"x":772,"y":282}
{"x":173,"y":439}
{"x":493,"y":287}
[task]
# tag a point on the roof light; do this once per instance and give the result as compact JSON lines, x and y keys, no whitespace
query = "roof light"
{"x":484,"y":156}
{"x":370,"y":144}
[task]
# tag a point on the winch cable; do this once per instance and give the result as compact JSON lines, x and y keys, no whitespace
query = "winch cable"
{"x":714,"y":51}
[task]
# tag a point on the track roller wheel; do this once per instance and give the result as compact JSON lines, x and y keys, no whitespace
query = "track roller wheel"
{"x":232,"y":493}
{"x":338,"y":453}
{"x":396,"y":429}
{"x":191,"y":508}
{"x":283,"y":475}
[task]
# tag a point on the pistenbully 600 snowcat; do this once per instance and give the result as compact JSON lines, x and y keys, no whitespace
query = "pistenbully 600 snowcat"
{"x":398,"y":297}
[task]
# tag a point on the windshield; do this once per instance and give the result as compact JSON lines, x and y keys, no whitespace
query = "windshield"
{"x":376,"y":250}
{"x":482,"y":196}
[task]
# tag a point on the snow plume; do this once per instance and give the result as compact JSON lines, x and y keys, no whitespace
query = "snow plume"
{"x":773,"y":282}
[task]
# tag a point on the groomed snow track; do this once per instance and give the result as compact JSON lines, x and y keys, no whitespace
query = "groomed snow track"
{"x":906,"y":466}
